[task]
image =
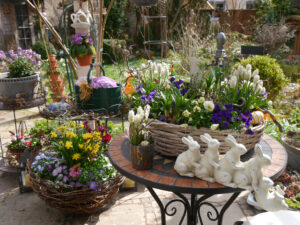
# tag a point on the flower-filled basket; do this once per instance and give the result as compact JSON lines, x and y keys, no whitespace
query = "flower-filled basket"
{"x":75,"y":175}
{"x":218,"y":103}
{"x":98,"y":93}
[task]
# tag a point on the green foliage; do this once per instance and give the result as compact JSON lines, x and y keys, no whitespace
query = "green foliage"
{"x":291,"y":71}
{"x":274,"y":11}
{"x":39,"y":48}
{"x":269,"y":71}
{"x":21,"y":67}
{"x":116,"y":22}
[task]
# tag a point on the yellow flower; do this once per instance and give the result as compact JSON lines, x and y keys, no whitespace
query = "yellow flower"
{"x":73,"y":124}
{"x":89,"y":148}
{"x":214,"y":126}
{"x":70,"y":134}
{"x":201,"y":100}
{"x":94,"y":152}
{"x":68,"y":145}
{"x":80,"y":146}
{"x":197,"y":109}
{"x":76,"y":156}
{"x":62,"y":128}
{"x":81,"y":125}
{"x":186,"y":113}
{"x":53,"y":135}
{"x":87,"y":136}
{"x":96,"y":147}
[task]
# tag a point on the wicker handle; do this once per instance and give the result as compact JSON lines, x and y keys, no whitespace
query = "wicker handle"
{"x":91,"y":68}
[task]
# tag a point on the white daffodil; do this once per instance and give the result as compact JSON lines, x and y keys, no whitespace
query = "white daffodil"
{"x":214,"y":126}
{"x":201,"y":100}
{"x":131,"y":116}
{"x":209,"y":105}
{"x":196,"y":109}
{"x":232,"y":82}
{"x":186,"y":113}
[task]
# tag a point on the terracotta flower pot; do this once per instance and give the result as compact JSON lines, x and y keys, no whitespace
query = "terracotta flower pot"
{"x":54,"y":76}
{"x":85,"y":60}
{"x":142,"y":157}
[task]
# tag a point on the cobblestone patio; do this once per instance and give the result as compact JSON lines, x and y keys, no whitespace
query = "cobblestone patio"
{"x":130,"y":207}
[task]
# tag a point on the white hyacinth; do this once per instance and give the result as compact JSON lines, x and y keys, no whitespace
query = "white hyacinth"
{"x":232,"y":82}
{"x":131,"y":116}
{"x":145,"y":143}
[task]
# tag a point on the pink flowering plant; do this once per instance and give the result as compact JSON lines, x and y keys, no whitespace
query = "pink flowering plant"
{"x":20,"y":63}
{"x":77,"y":158}
{"x":81,"y":45}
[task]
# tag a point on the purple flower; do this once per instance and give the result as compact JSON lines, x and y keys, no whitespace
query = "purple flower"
{"x":244,"y":118}
{"x":225,"y":124}
{"x":162,"y":118}
{"x":229,"y":107}
{"x":93,"y":186}
{"x":176,"y":84}
{"x":249,"y":131}
{"x":77,"y":183}
{"x":60,"y":176}
{"x":237,"y":118}
{"x":65,"y":179}
{"x":56,"y":171}
{"x":248,"y":113}
{"x":101,"y":171}
{"x":265,"y":96}
{"x":217,"y":108}
{"x":72,"y":184}
{"x":139,"y":89}
{"x":144,"y":100}
{"x":172,"y":79}
{"x":183,"y":92}
{"x":49,"y":167}
{"x":103,"y":82}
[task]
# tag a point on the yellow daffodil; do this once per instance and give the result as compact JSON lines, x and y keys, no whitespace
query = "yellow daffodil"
{"x":94,"y":152}
{"x":53,"y":135}
{"x":96,"y":147}
{"x":76,"y":156}
{"x":80,"y":146}
{"x":89,"y":148}
{"x":70,"y":134}
{"x":87,"y":136}
{"x":73,"y":124}
{"x":68,"y":145}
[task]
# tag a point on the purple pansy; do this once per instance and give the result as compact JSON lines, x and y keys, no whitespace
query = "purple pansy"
{"x":249,"y":131}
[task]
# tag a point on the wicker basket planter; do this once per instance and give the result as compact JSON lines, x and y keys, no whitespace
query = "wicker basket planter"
{"x":167,"y":137}
{"x":75,"y":200}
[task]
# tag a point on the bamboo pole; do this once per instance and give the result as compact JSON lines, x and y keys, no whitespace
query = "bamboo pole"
{"x":99,"y":39}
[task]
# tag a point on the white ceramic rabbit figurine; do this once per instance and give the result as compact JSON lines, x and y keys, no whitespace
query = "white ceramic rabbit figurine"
{"x":209,"y":160}
{"x":230,"y":162}
{"x":252,"y":173}
{"x":187,"y":161}
{"x":268,"y":197}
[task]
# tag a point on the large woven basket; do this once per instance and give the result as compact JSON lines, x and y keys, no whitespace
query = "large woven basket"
{"x":167,"y":137}
{"x":75,"y":200}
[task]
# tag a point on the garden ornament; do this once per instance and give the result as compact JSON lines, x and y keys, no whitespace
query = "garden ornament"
{"x":209,"y":160}
{"x":221,"y":39}
{"x":230,"y":163}
{"x":268,"y":197}
{"x":187,"y":161}
{"x":80,"y":22}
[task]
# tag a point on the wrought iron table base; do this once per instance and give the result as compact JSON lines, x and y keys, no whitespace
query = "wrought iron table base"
{"x":192,"y":208}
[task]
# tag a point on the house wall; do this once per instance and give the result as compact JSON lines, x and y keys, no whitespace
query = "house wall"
{"x":8,"y":29}
{"x":52,"y":11}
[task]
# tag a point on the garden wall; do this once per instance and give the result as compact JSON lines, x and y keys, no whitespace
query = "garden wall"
{"x":240,"y":20}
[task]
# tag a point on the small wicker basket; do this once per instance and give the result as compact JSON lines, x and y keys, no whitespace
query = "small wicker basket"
{"x":75,"y":200}
{"x":167,"y":137}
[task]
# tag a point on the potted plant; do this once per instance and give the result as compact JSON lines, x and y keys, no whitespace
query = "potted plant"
{"x":291,"y":142}
{"x":21,"y":77}
{"x":76,"y":175}
{"x":82,"y":48}
{"x":141,"y":148}
{"x":224,"y":104}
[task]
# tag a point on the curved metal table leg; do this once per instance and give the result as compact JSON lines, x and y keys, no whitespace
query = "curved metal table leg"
{"x":192,"y":208}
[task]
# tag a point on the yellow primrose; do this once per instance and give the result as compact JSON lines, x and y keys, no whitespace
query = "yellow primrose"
{"x":53,"y":135}
{"x":73,"y":124}
{"x":68,"y":145}
{"x":94,"y":152}
{"x":62,"y":128}
{"x":80,"y":146}
{"x":70,"y":134}
{"x":186,"y":113}
{"x":81,"y":125}
{"x":76,"y":156}
{"x":201,"y":100}
{"x":96,"y":147}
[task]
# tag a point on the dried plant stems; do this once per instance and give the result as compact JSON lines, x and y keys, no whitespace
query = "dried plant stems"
{"x":57,"y":37}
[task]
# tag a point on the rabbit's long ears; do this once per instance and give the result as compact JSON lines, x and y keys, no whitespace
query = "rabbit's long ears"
{"x":230,"y":140}
{"x":258,"y":150}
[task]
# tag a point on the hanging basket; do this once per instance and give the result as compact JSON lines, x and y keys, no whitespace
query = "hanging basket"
{"x":75,"y":200}
{"x":167,"y":137}
{"x":108,"y":99}
{"x":144,"y":2}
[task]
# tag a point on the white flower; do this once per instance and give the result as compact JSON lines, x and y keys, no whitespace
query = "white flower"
{"x":214,"y":126}
{"x":145,"y":143}
{"x":201,"y":100}
{"x":232,"y":82}
{"x":190,"y":119}
{"x":247,"y":75}
{"x":270,"y":104}
{"x":209,"y":105}
{"x":255,"y":72}
{"x":184,"y":125}
{"x":249,"y":67}
{"x":252,"y":107}
{"x":196,"y":109}
{"x":261,"y":83}
{"x":138,"y":119}
{"x":194,"y":102}
{"x":256,"y":78}
{"x":140,"y":111}
{"x":131,"y":116}
{"x":186,"y":113}
{"x":147,"y":111}
{"x":263,"y":90}
{"x":236,"y":74}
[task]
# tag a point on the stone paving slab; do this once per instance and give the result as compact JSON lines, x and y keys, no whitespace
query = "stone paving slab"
{"x":130,"y":208}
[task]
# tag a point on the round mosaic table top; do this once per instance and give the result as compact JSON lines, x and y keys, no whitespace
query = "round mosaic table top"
{"x":163,"y":175}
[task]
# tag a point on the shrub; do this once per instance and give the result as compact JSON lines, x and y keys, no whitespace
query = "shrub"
{"x":39,"y":48}
{"x":112,"y":49}
{"x":270,"y":72}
